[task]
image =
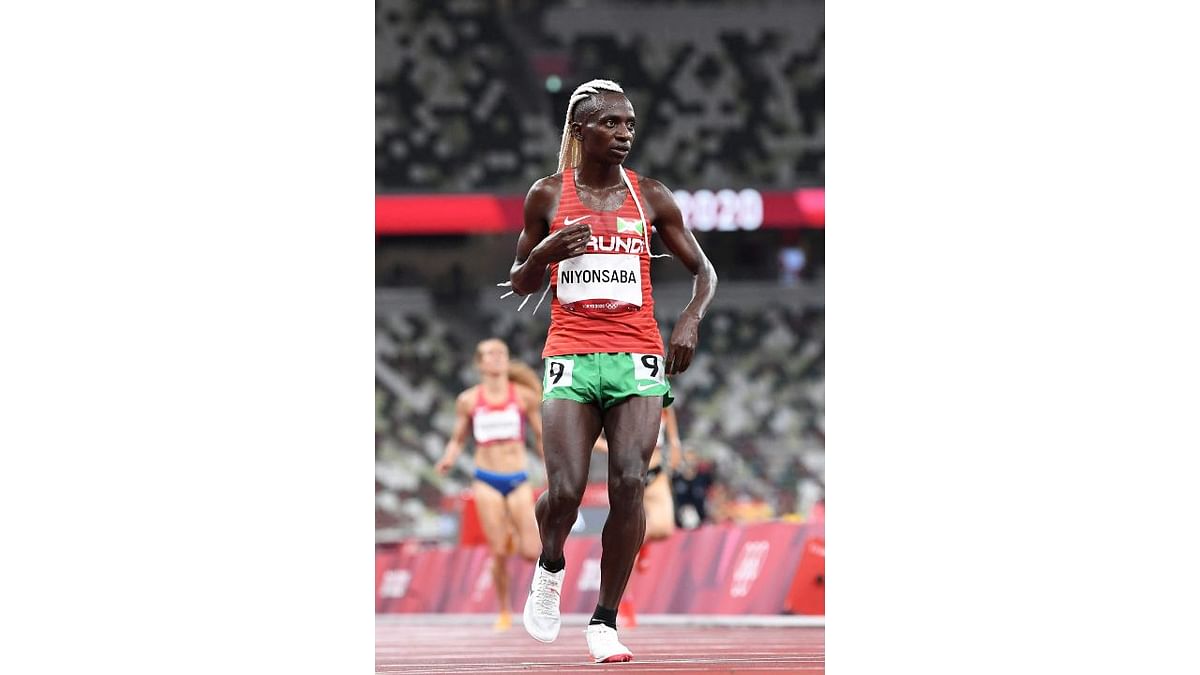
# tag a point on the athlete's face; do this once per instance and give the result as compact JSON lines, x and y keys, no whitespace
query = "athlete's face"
{"x":606,"y":129}
{"x":492,"y":357}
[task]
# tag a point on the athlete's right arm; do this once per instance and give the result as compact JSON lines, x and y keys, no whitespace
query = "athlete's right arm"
{"x":462,"y":411}
{"x":537,"y":249}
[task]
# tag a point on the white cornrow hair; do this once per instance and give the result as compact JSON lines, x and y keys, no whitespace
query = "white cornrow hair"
{"x":569,"y":152}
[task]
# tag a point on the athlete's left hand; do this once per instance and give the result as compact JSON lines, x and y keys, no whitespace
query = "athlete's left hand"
{"x":683,"y":343}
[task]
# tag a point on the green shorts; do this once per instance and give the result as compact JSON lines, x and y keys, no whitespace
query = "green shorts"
{"x":606,"y":379}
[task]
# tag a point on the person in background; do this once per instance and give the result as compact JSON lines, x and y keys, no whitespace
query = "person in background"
{"x":690,"y":485}
{"x":496,"y":410}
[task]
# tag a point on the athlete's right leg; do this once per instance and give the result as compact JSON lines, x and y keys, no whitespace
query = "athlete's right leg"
{"x":492,"y":510}
{"x":569,"y":430}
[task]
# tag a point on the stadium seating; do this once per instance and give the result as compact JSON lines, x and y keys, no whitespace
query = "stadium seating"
{"x":462,"y":103}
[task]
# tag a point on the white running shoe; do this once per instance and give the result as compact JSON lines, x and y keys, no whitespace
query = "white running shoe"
{"x":604,"y":645}
{"x":541,"y":607}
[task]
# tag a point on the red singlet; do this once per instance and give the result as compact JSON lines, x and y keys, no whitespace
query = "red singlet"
{"x":492,"y":423}
{"x":602,"y":300}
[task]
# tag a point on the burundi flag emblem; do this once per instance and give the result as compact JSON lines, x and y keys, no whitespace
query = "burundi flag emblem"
{"x":629,"y":225}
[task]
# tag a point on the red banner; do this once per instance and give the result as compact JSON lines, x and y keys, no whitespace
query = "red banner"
{"x":485,"y":214}
{"x":807,"y":595}
{"x":767,"y":568}
{"x":722,"y":570}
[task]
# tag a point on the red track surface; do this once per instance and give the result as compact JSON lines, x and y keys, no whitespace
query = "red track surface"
{"x":413,"y":647}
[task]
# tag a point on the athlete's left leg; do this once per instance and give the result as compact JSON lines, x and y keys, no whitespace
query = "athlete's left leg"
{"x":493,"y":520}
{"x":631,"y":428}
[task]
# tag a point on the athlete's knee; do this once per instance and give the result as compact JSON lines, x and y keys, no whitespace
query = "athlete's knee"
{"x":561,"y":498}
{"x":627,"y":485}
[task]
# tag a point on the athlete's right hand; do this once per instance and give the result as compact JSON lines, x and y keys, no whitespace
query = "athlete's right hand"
{"x":569,"y":242}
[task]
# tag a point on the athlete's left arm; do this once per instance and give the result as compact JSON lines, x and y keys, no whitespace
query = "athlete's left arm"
{"x":533,"y":412}
{"x":666,"y":218}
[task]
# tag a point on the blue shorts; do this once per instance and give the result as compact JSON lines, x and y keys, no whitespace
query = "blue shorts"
{"x":503,"y":482}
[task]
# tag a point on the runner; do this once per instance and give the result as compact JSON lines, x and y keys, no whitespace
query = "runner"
{"x":589,"y":225}
{"x":494,"y":410}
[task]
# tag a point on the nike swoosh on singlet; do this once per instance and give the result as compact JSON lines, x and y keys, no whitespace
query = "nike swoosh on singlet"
{"x":572,"y":221}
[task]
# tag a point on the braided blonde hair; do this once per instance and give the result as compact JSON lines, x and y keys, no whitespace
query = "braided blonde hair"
{"x":569,"y":152}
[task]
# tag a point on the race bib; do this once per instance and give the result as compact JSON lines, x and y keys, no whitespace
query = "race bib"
{"x":600,"y":283}
{"x":558,"y":373}
{"x":495,"y":425}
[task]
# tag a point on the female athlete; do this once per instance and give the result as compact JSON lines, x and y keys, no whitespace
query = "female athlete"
{"x":588,"y":227}
{"x":495,"y":410}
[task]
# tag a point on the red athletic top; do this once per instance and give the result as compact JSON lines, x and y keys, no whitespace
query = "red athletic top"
{"x":602,"y":300}
{"x":499,"y":422}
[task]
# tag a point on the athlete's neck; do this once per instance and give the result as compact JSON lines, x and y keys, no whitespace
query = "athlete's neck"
{"x":494,"y":384}
{"x":596,"y":176}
